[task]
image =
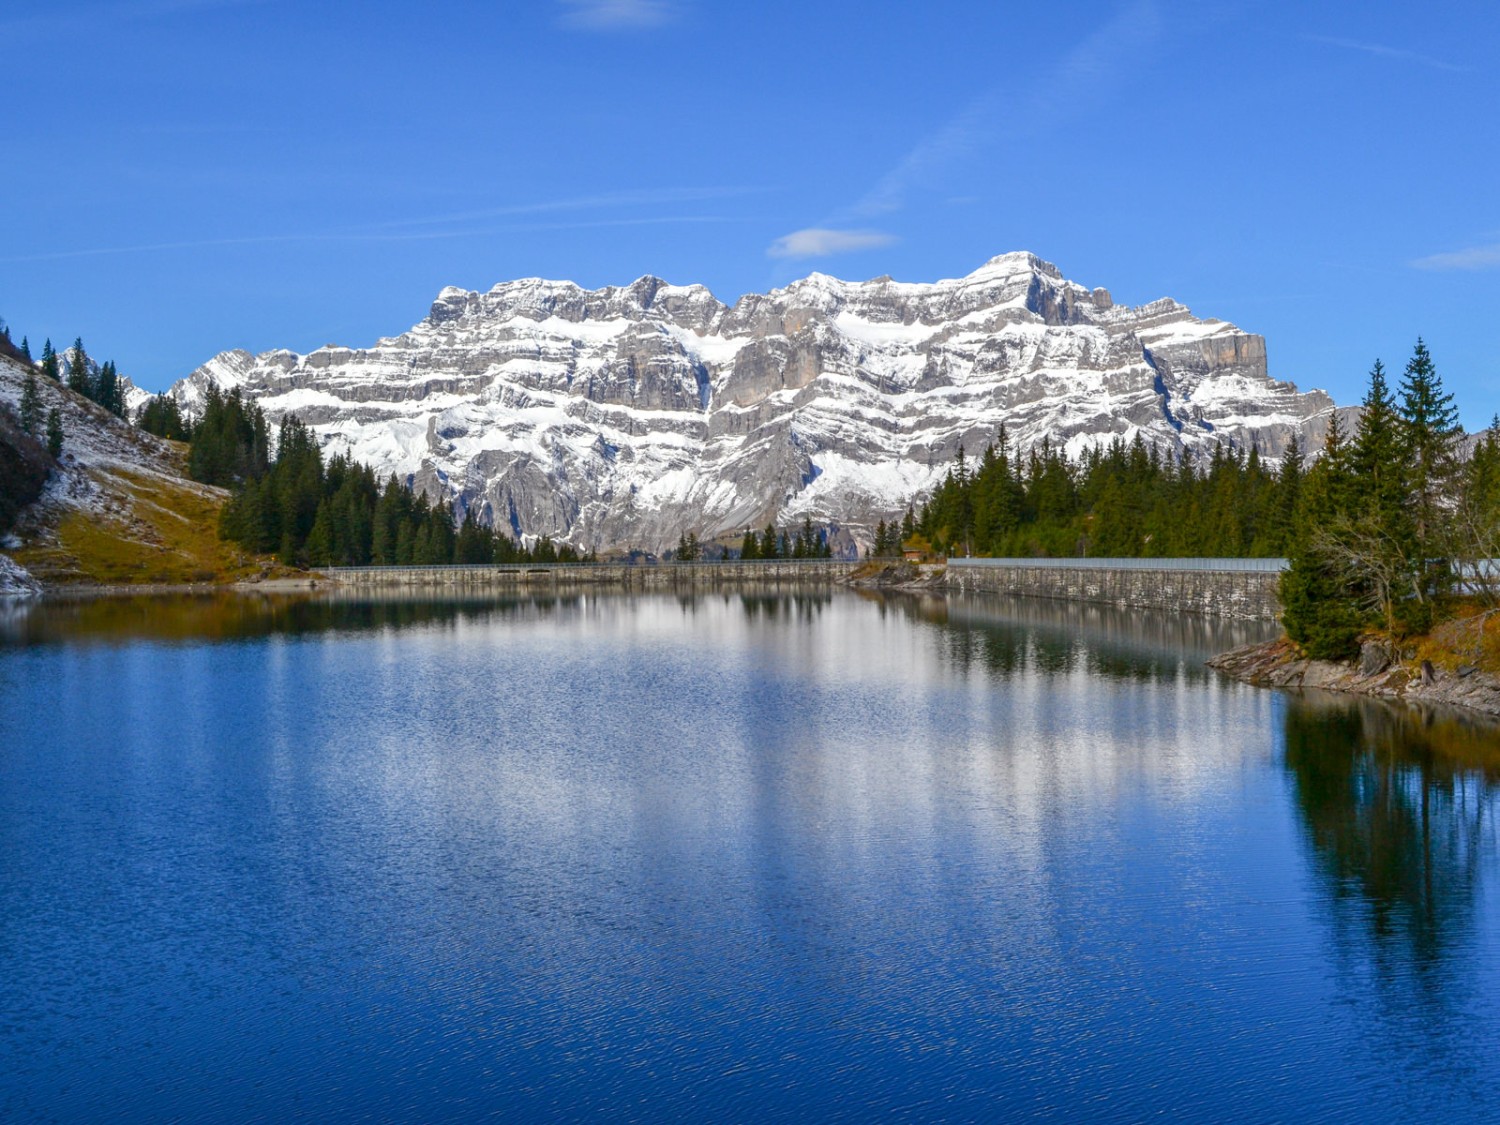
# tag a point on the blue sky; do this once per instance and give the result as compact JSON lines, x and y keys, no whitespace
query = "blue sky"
{"x":193,"y":175}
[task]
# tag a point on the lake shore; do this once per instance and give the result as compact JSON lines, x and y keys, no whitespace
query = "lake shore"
{"x":1440,"y":677}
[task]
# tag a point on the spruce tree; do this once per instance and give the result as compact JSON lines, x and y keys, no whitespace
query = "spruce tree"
{"x":107,"y":392}
{"x":1287,"y":492}
{"x":1317,"y":610}
{"x":50,"y":366}
{"x":770,"y":547}
{"x":54,"y":433}
{"x":26,"y":348}
{"x":1429,"y":425}
{"x":1374,"y":535}
{"x":78,"y":370}
{"x":31,"y":404}
{"x":749,"y":547}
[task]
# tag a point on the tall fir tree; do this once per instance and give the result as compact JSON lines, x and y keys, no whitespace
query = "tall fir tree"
{"x":50,"y":366}
{"x":78,"y":370}
{"x":1429,"y":425}
{"x":1374,"y":535}
{"x":54,"y":433}
{"x":1317,"y":611}
{"x":31,"y":404}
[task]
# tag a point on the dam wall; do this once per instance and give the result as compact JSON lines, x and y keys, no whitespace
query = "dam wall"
{"x":1217,"y":587}
{"x":620,"y":576}
{"x":1244,"y":588}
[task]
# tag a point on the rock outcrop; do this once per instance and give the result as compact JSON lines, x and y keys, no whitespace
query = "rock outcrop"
{"x":1378,"y":671}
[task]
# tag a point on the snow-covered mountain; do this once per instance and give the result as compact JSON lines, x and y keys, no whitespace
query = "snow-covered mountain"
{"x":627,"y":415}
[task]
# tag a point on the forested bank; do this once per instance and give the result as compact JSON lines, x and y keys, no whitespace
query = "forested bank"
{"x":1394,"y":529}
{"x":1384,"y":531}
{"x":312,"y":512}
{"x":1114,"y":501}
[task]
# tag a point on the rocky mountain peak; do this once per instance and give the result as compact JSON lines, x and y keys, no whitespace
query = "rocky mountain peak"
{"x":626,"y":415}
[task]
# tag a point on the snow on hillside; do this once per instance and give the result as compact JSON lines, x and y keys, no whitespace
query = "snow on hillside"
{"x":117,"y":507}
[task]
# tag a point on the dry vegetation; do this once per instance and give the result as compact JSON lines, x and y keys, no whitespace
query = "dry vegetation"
{"x":1470,"y":640}
{"x":141,"y":529}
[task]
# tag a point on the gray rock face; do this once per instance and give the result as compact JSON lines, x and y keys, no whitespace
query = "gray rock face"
{"x":627,"y":415}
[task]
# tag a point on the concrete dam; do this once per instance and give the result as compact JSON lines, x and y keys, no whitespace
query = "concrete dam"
{"x":1244,"y":588}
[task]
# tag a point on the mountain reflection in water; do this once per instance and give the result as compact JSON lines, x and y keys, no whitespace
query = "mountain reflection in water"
{"x":771,"y":854}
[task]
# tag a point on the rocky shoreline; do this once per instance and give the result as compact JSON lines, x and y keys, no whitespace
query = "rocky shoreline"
{"x":1379,"y":671}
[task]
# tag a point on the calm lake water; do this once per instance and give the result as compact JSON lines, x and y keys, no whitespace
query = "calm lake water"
{"x":734,"y":857}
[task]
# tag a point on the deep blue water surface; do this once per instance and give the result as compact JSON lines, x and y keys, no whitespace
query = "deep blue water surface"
{"x":813,"y":857}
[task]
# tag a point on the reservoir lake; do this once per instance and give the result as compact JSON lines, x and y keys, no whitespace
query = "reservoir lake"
{"x":785,"y":854}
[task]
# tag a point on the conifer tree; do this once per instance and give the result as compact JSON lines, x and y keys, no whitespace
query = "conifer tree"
{"x":749,"y":546}
{"x":78,"y":370}
{"x":54,"y":433}
{"x":1477,"y":511}
{"x":318,"y":550}
{"x":163,"y":417}
{"x":770,"y":547}
{"x":107,"y":389}
{"x":31,"y":404}
{"x":50,"y":366}
{"x":1429,"y":426}
{"x":1372,"y":538}
{"x":1317,"y":610}
{"x":26,"y":348}
{"x":1287,"y":492}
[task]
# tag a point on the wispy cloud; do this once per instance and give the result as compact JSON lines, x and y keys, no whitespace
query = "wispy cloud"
{"x":1471,"y":258}
{"x":63,"y":19}
{"x":820,"y":242}
{"x":617,"y":15}
{"x":643,"y":198}
{"x":1398,"y":54}
{"x":371,"y":235}
{"x":938,"y":162}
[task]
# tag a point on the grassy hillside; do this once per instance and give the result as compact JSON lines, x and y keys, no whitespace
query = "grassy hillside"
{"x":118,"y":508}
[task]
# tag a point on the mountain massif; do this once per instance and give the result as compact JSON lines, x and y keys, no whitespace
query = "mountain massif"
{"x":626,"y":416}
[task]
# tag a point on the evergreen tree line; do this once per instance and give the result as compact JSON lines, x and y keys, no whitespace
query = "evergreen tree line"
{"x":312,"y":513}
{"x":160,"y":415}
{"x":102,"y":384}
{"x":806,"y":542}
{"x":1391,"y":518}
{"x":1116,"y":500}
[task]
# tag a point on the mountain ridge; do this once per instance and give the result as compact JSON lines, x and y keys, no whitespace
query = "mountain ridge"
{"x":626,"y":415}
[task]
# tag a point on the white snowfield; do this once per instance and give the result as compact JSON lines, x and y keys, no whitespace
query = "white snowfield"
{"x":626,"y":416}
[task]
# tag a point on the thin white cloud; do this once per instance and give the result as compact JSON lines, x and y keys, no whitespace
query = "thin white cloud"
{"x":356,"y":236}
{"x":617,"y":15}
{"x":820,"y":242}
{"x":647,"y":197}
{"x":58,"y":19}
{"x":1471,"y":258}
{"x":1382,"y":51}
{"x":1080,"y":76}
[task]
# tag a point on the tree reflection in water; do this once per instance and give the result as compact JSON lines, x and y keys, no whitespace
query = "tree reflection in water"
{"x":1398,"y":807}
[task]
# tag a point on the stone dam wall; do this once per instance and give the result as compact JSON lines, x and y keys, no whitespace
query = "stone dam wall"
{"x":1217,"y":587}
{"x":1244,"y":588}
{"x":544,"y":576}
